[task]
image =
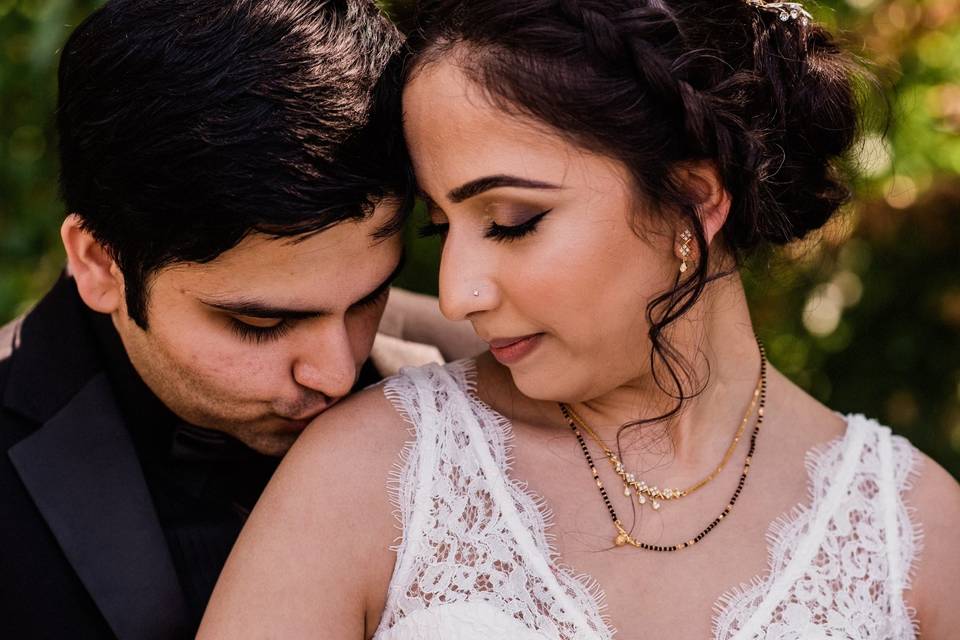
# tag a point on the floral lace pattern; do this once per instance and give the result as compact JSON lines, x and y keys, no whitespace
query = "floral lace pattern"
{"x":474,"y":560}
{"x":470,"y":534}
{"x":838,"y":567}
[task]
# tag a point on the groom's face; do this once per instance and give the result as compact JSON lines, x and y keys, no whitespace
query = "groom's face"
{"x":268,"y":335}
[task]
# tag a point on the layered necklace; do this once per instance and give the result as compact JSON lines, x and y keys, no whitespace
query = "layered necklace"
{"x":634,"y":487}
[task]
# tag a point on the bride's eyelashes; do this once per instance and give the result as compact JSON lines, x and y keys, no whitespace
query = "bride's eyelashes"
{"x":494,"y":231}
{"x":514,"y":232}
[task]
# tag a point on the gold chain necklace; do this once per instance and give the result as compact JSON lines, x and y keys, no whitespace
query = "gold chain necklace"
{"x":633,"y":486}
{"x":623,"y":536}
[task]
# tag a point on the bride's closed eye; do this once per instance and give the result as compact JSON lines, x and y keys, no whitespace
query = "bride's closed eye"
{"x":507,"y":233}
{"x":499,"y":232}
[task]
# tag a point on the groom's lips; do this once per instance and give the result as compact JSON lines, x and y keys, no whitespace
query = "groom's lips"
{"x":511,"y":350}
{"x":296,"y":425}
{"x":301,"y":423}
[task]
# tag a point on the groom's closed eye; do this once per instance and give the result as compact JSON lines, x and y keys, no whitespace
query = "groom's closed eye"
{"x":257,"y":329}
{"x":260,"y":330}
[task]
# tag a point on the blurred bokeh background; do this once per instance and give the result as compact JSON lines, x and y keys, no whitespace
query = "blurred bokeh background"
{"x":866,"y":315}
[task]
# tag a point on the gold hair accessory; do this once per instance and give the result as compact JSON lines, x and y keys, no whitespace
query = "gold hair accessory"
{"x":785,"y":11}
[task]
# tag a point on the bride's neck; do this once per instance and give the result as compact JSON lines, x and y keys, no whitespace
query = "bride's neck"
{"x":717,"y":342}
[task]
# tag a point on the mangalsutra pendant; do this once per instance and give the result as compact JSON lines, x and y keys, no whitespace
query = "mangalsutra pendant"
{"x":623,"y":537}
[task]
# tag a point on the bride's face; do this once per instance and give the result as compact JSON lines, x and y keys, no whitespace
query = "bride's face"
{"x":542,"y":251}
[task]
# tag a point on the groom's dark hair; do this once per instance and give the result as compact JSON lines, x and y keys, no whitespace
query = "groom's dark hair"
{"x":186,"y":125}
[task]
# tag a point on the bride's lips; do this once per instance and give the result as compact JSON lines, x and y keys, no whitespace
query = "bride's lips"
{"x":511,"y":350}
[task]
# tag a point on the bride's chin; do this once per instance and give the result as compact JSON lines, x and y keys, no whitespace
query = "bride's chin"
{"x":555,"y":379}
{"x":545,"y":381}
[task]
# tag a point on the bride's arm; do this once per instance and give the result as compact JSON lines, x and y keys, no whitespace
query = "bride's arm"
{"x":313,"y":559}
{"x":935,"y":497}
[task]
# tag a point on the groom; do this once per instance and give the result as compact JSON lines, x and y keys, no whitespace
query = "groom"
{"x":235,"y":181}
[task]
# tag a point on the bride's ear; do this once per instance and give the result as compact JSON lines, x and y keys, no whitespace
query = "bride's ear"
{"x":703,"y":180}
{"x":97,"y":275}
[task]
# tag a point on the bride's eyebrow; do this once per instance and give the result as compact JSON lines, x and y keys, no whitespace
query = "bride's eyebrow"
{"x":478,"y":186}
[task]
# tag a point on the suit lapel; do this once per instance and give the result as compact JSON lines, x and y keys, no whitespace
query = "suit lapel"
{"x":82,"y":472}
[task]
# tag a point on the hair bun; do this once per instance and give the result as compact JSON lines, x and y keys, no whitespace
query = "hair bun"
{"x":804,"y":116}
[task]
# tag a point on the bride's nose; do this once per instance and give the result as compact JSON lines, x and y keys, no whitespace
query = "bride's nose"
{"x":467,"y":279}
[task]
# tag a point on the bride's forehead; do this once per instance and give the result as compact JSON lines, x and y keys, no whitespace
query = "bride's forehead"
{"x":456,"y":134}
{"x":442,"y":105}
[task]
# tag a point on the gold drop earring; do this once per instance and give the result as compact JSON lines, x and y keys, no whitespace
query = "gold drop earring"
{"x":685,"y":239}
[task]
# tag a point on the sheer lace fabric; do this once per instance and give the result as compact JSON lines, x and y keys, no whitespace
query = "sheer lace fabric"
{"x":474,"y":560}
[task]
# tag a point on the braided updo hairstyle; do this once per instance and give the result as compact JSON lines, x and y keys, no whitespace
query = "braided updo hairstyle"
{"x":656,"y":83}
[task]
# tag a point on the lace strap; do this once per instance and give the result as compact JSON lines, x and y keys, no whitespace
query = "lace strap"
{"x":457,"y":465}
{"x":533,"y":554}
{"x":888,"y":496}
{"x":411,"y":393}
{"x":809,"y":545}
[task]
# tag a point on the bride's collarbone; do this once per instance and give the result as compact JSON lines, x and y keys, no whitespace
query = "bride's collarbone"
{"x":665,"y":594}
{"x":650,"y":594}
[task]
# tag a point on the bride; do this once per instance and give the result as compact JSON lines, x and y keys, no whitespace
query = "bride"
{"x":623,"y":460}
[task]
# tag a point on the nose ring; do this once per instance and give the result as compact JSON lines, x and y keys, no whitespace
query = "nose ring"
{"x":476,"y":293}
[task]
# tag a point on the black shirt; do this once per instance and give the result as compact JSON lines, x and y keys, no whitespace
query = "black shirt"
{"x":203,"y":483}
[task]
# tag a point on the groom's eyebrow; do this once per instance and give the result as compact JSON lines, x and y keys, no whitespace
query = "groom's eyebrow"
{"x":258,"y":309}
{"x":478,"y":186}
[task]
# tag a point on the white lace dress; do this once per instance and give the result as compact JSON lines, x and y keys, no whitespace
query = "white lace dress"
{"x":474,"y":562}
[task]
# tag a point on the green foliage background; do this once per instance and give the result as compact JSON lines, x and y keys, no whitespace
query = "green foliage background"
{"x":866,"y":315}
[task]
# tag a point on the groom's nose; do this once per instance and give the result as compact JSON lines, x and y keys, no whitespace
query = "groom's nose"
{"x":326,"y":363}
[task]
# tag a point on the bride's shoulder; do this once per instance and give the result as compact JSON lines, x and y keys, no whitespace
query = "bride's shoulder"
{"x":366,"y":424}
{"x":366,"y":432}
{"x":319,"y":542}
{"x":929,"y":497}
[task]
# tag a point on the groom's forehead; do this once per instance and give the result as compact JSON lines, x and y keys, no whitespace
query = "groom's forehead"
{"x":315,"y":275}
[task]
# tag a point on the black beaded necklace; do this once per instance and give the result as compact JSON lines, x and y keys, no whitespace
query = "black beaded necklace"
{"x":624,"y":537}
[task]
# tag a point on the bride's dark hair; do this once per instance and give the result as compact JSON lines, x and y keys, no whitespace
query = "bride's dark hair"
{"x":657,"y":83}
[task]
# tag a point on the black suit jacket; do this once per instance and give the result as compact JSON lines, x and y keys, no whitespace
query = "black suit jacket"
{"x":82,"y":553}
